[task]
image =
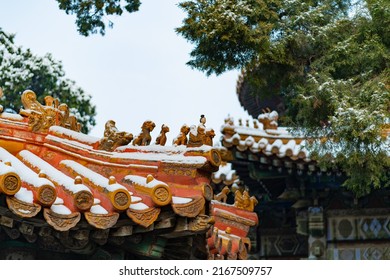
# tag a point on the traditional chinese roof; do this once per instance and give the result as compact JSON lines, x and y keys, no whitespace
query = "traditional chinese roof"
{"x":47,"y":166}
{"x":63,"y":173}
{"x":53,"y":176}
{"x":264,"y":141}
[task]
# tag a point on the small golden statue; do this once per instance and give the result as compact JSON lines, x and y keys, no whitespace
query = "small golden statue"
{"x":222,"y":196}
{"x":42,"y":117}
{"x":269,"y":119}
{"x":198,"y":134}
{"x":144,"y":138}
{"x":162,"y":138}
{"x":210,"y":134}
{"x":113,"y":138}
{"x":244,"y":201}
{"x":181,"y":139}
{"x":67,"y":120}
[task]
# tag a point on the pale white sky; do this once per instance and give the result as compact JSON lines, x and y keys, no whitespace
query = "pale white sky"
{"x":135,"y":72}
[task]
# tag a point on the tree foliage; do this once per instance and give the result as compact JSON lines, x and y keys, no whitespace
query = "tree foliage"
{"x":21,"y":70}
{"x":91,"y":15}
{"x":328,"y":59}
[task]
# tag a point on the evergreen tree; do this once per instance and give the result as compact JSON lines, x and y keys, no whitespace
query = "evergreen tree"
{"x":21,"y":70}
{"x":91,"y":15}
{"x":328,"y":60}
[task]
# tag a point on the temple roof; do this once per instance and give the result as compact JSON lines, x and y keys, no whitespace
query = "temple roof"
{"x":255,"y":137}
{"x":46,"y":163}
{"x":53,"y":176}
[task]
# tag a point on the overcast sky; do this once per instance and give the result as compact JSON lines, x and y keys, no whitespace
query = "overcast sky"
{"x":137,"y":71}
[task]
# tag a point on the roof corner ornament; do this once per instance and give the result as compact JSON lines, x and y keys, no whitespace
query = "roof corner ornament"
{"x":114,"y":138}
{"x":42,"y":117}
{"x":269,"y":119}
{"x":181,"y":139}
{"x":243,"y":201}
{"x":222,"y":196}
{"x":198,"y":134}
{"x":210,"y":134}
{"x":144,"y":138}
{"x":162,"y":138}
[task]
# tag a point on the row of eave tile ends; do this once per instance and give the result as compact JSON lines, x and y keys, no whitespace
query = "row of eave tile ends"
{"x":56,"y":177}
{"x":268,"y":143}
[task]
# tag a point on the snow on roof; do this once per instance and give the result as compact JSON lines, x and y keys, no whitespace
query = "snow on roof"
{"x":74,"y":135}
{"x":135,"y":199}
{"x":98,"y":209}
{"x":225,"y":171}
{"x":60,"y":209}
{"x":143,"y":181}
{"x":175,"y":154}
{"x":52,"y":173}
{"x":73,"y":143}
{"x":180,"y":200}
{"x":58,"y":201}
{"x":269,"y":133}
{"x":14,"y":117}
{"x":139,"y":206}
{"x":25,"y":173}
{"x":173,"y":158}
{"x":269,"y":141}
{"x":4,"y":168}
{"x":94,"y":177}
{"x":164,"y":149}
{"x":25,"y":195}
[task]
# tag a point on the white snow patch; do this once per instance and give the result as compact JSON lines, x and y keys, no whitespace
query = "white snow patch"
{"x":97,"y":209}
{"x":74,"y":135}
{"x":225,"y":171}
{"x":68,"y":142}
{"x":4,"y":169}
{"x":139,"y":206}
{"x":60,"y":209}
{"x":53,"y":173}
{"x":180,"y":200}
{"x":135,"y":199}
{"x":24,"y":211}
{"x":25,"y":195}
{"x":58,"y":201}
{"x":139,"y":180}
{"x":95,"y":178}
{"x":14,"y":117}
{"x":25,"y":173}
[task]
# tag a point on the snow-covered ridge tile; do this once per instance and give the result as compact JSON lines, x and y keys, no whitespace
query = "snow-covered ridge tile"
{"x":9,"y":116}
{"x":225,"y":171}
{"x":4,"y":169}
{"x":25,"y":173}
{"x":164,"y":149}
{"x":172,"y":158}
{"x":93,"y":176}
{"x":53,"y":173}
{"x":74,"y":135}
{"x":142,"y":181}
{"x":73,"y":143}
